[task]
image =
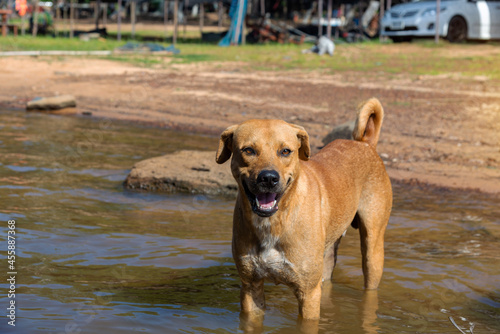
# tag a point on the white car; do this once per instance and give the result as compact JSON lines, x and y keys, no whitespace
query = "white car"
{"x":458,"y":20}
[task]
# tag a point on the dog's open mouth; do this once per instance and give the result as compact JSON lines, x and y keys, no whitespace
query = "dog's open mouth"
{"x":264,"y":204}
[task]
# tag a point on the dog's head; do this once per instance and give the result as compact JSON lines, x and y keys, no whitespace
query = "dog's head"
{"x":265,"y":159}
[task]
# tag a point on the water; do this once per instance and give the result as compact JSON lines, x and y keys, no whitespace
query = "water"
{"x":95,"y":258}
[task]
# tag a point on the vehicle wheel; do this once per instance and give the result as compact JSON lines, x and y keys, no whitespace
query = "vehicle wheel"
{"x":457,"y":30}
{"x":401,"y":39}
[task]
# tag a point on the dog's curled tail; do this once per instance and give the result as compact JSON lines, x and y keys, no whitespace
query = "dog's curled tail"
{"x":369,"y":122}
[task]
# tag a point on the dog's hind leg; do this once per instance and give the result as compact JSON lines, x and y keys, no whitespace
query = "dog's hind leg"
{"x":372,"y":224}
{"x":373,"y":215}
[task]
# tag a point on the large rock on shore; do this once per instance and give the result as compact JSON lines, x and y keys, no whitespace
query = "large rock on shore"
{"x":193,"y":172}
{"x":52,"y":103}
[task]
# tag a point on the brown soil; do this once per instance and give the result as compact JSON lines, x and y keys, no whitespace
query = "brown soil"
{"x":442,"y":130}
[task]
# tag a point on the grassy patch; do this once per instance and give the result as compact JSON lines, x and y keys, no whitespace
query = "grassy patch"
{"x":28,"y":43}
{"x":370,"y":58}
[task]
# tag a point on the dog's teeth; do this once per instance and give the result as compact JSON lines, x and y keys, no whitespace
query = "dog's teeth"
{"x":266,"y":207}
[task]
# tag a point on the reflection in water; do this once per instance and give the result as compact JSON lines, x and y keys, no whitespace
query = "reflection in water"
{"x":95,"y":258}
{"x":369,"y":312}
{"x":364,"y":315}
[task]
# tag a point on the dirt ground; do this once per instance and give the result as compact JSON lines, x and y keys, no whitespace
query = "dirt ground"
{"x":442,"y":130}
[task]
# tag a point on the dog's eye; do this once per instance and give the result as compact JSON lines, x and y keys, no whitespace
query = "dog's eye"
{"x":248,"y":150}
{"x":286,"y":152}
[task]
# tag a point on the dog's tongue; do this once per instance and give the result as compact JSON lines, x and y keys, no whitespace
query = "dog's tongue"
{"x":266,"y":201}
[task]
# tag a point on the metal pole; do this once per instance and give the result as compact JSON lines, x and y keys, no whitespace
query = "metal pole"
{"x":320,"y":16}
{"x":438,"y":10}
{"x":119,"y":21}
{"x":262,"y":8}
{"x":329,"y":18}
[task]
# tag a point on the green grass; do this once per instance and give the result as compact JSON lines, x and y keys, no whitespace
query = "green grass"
{"x":28,"y":43}
{"x":371,"y":58}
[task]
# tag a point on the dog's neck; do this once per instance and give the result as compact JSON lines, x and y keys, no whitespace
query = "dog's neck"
{"x":266,"y":231}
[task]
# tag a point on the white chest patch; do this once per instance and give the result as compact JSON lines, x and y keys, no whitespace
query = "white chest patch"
{"x":268,"y":260}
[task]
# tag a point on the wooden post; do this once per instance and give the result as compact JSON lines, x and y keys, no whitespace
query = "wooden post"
{"x":104,"y":14}
{"x":202,"y":18}
{"x":329,"y":18}
{"x":320,"y":16}
{"x":438,"y":11}
{"x":9,"y":6}
{"x":119,"y":21}
{"x":341,"y":13}
{"x":132,"y":16}
{"x":3,"y":16}
{"x":184,"y":11}
{"x":381,"y":32}
{"x":176,"y":21}
{"x":35,"y":19}
{"x":165,"y":17}
{"x":220,"y":8}
{"x":65,"y":18}
{"x":97,"y":10}
{"x":71,"y":19}
{"x":58,"y":18}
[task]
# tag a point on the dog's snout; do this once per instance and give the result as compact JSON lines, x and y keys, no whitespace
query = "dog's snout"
{"x":268,"y":178}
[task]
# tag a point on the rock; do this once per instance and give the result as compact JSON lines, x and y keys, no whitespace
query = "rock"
{"x":52,"y":103}
{"x":193,"y":172}
{"x":343,"y":131}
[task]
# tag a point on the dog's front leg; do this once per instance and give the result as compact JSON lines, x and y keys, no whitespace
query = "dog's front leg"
{"x":252,"y":297}
{"x":309,"y":302}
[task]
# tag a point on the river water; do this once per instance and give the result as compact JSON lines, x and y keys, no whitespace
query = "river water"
{"x":92,"y":257}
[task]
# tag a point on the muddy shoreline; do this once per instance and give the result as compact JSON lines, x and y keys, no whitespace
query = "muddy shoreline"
{"x":438,"y":131}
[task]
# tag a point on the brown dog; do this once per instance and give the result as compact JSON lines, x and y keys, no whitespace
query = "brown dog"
{"x":292,"y":210}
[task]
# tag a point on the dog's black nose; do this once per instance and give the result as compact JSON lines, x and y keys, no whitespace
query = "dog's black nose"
{"x":268,"y":178}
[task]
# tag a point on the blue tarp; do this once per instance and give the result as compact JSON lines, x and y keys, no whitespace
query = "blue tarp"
{"x":237,"y":13}
{"x":152,"y":47}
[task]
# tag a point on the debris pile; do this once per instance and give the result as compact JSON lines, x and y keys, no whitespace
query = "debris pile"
{"x":265,"y":30}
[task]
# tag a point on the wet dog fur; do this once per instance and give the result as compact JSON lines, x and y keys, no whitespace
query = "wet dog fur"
{"x":292,"y":209}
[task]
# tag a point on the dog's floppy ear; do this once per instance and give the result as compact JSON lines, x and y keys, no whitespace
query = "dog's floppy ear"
{"x":225,"y":145}
{"x":304,"y":150}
